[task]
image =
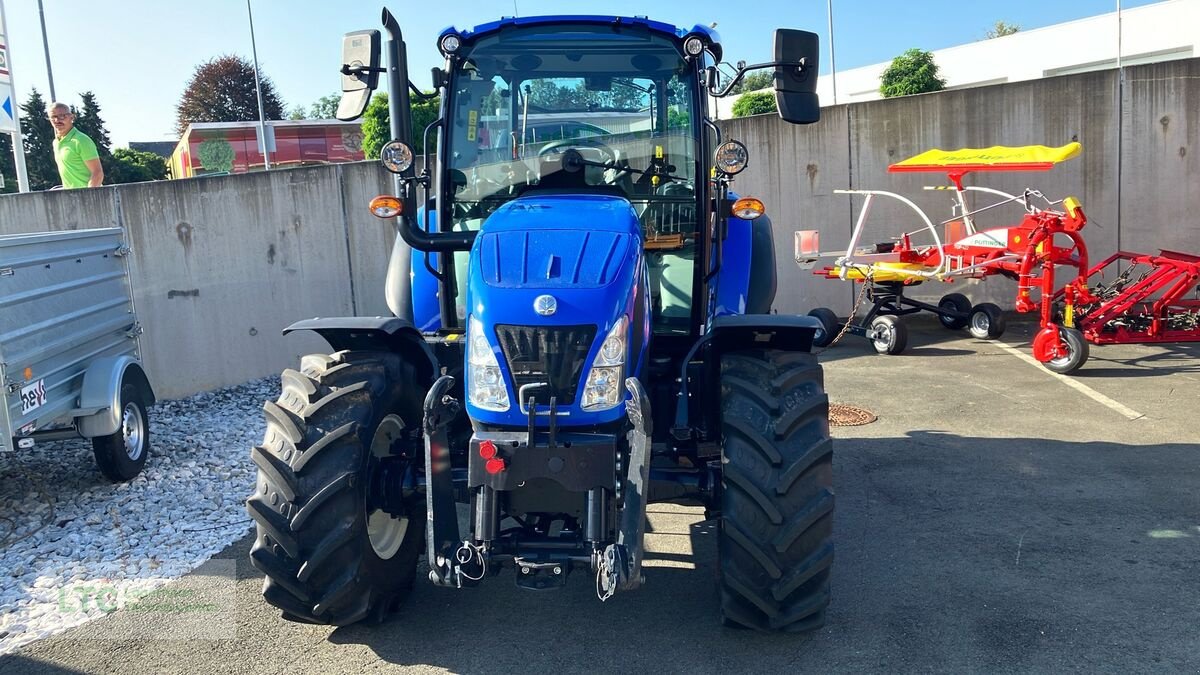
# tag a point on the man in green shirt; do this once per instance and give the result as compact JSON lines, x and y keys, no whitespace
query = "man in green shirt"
{"x":75,"y":153}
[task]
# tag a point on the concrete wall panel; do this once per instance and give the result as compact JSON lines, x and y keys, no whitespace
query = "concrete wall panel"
{"x":1160,"y":158}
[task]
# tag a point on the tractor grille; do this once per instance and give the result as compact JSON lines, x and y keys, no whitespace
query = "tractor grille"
{"x":552,"y":354}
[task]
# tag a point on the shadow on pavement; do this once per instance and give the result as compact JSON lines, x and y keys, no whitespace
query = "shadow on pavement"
{"x":954,"y":553}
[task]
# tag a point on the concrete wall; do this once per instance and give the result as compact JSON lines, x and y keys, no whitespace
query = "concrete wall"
{"x":222,"y":264}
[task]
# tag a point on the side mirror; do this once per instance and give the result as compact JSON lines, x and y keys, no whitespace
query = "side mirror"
{"x":796,"y":82}
{"x":360,"y":73}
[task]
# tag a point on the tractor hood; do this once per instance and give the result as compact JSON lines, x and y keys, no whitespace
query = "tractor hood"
{"x":582,"y":251}
{"x":576,"y":242}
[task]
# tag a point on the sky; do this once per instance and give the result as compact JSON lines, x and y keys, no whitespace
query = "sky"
{"x":137,"y":55}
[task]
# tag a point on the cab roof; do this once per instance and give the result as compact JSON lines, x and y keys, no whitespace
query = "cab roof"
{"x":484,"y":29}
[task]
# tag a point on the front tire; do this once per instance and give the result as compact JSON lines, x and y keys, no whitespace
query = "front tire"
{"x":328,"y":556}
{"x":121,"y":455}
{"x":1077,"y":352}
{"x":888,"y":335}
{"x":776,"y":527}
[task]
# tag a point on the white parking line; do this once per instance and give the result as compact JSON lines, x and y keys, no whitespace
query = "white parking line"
{"x":1074,"y":384}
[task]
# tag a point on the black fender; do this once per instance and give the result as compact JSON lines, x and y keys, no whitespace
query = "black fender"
{"x":374,"y":333}
{"x":727,"y":334}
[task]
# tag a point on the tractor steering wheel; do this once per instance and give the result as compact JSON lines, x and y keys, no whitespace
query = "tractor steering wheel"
{"x":608,"y":155}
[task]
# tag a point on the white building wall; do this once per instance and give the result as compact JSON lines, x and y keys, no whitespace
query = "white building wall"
{"x":1159,"y":32}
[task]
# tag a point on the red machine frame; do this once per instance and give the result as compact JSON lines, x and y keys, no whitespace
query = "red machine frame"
{"x":1083,"y":310}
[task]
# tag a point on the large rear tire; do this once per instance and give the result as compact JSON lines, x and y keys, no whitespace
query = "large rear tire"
{"x":776,"y":541}
{"x":329,"y":557}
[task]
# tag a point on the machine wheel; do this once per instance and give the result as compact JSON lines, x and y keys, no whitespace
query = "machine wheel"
{"x":888,"y":335}
{"x":987,"y":321}
{"x":330,"y":555}
{"x":776,"y":526}
{"x":120,"y":456}
{"x":1077,"y":352}
{"x":954,"y":302}
{"x":829,"y":326}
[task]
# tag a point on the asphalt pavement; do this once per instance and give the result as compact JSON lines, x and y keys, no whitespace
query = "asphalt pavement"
{"x":993,"y":519}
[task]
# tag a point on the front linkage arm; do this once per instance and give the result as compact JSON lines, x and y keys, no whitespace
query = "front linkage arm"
{"x":441,"y":532}
{"x":620,"y":565}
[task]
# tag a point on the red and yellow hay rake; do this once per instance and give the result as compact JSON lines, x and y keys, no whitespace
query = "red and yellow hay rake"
{"x":1146,"y":301}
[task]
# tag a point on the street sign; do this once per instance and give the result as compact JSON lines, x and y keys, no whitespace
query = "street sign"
{"x":5,"y":75}
{"x":8,"y":109}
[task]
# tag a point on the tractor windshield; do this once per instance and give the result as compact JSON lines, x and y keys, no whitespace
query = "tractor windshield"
{"x":624,"y":100}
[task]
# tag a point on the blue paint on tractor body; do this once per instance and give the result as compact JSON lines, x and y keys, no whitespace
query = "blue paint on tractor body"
{"x":586,"y":251}
{"x":733,"y":280}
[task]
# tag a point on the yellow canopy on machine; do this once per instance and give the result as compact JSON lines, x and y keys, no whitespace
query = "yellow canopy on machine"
{"x":995,"y":158}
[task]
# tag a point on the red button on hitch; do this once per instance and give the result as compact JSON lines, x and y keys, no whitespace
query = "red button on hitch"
{"x":487,"y":450}
{"x":495,"y":465}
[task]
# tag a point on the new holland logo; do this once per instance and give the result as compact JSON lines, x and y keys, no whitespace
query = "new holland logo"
{"x":545,"y":305}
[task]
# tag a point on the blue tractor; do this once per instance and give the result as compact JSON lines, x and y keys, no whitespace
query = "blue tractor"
{"x":581,"y":327}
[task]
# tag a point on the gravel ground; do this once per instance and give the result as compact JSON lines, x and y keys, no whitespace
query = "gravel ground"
{"x":73,"y":546}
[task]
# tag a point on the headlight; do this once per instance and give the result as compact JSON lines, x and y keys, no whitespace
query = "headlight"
{"x":485,"y":385}
{"x":602,"y":390}
{"x":450,"y":43}
{"x":396,"y":156}
{"x":693,"y":46}
{"x":732,"y":157}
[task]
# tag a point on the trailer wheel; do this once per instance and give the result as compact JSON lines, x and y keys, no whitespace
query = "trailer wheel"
{"x":888,"y":335}
{"x":776,"y":526}
{"x":337,"y":533}
{"x":122,"y":455}
{"x":954,"y":302}
{"x":1077,"y":352}
{"x":987,"y":321}
{"x":830,"y":326}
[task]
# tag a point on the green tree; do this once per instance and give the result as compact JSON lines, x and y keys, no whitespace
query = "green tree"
{"x":88,"y":120}
{"x":1001,"y":29}
{"x":913,"y":72}
{"x":754,"y":103}
{"x":222,"y":90}
{"x":755,"y":81}
{"x":216,"y":154}
{"x":39,"y":143}
{"x":377,"y":129}
{"x":135,"y":166}
{"x":324,"y":108}
{"x":297,"y":113}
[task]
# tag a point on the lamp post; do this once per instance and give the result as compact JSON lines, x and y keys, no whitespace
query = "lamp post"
{"x":262,"y":119}
{"x":832,"y":63}
{"x":46,"y":48}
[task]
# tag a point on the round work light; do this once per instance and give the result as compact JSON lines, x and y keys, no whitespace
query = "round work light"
{"x":731,"y":157}
{"x":396,"y":156}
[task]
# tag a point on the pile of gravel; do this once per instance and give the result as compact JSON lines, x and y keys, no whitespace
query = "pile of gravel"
{"x":64,"y":528}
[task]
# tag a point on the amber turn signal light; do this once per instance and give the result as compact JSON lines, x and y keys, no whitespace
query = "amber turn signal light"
{"x":386,"y":206}
{"x":748,"y":208}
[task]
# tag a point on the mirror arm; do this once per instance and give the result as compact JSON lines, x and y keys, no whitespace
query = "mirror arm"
{"x":420,"y":94}
{"x":743,"y":69}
